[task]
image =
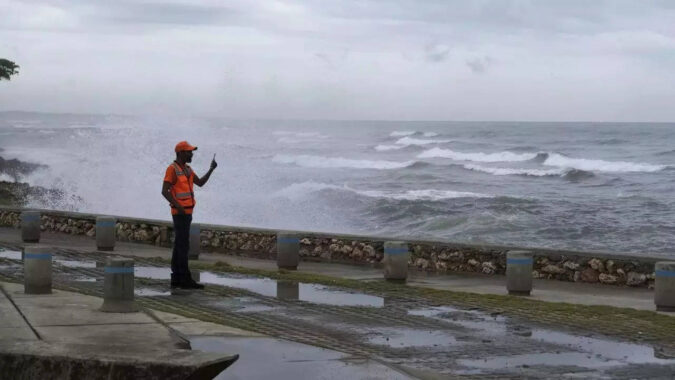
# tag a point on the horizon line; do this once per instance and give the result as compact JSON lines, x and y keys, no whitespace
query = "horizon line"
{"x":345,"y":120}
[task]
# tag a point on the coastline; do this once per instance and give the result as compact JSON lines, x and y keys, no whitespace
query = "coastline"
{"x":440,"y":257}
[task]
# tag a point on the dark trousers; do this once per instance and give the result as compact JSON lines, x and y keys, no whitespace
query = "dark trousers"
{"x":181,"y":247}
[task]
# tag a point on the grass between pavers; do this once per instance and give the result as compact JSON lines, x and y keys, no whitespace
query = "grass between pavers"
{"x":641,"y":326}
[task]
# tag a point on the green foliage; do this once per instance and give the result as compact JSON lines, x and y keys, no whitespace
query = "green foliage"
{"x":7,"y":69}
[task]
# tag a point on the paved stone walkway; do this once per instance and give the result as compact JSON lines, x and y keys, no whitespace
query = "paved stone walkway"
{"x":415,"y":335}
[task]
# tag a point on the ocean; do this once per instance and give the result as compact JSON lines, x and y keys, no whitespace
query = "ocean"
{"x":581,"y":186}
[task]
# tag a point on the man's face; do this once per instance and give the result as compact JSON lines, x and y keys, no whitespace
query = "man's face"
{"x":186,"y":155}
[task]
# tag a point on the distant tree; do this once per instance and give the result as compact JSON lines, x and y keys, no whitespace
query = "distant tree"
{"x":7,"y":69}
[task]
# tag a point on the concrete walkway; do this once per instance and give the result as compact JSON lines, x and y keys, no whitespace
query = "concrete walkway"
{"x":382,"y":335}
{"x":544,"y":290}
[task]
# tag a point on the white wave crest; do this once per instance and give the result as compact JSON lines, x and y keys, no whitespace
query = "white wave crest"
{"x":423,"y":195}
{"x":477,"y":156}
{"x":382,"y":148}
{"x":555,"y":159}
{"x":413,"y":141}
{"x":339,"y":162}
{"x":401,"y":133}
{"x":516,"y":171}
{"x":430,"y":134}
{"x":298,"y":191}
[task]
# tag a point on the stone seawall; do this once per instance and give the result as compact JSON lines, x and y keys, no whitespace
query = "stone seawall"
{"x":430,"y":256}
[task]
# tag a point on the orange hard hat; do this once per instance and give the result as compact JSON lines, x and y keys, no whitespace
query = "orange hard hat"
{"x":183,"y":146}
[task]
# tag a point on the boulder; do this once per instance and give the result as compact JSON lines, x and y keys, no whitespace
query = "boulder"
{"x":597,"y":265}
{"x":489,"y":267}
{"x":635,"y":279}
{"x":589,"y":275}
{"x":553,"y":269}
{"x":607,"y":278}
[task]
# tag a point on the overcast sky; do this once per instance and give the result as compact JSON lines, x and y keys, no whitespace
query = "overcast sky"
{"x":553,"y":60}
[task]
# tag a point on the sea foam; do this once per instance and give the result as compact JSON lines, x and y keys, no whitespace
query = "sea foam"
{"x":477,"y":156}
{"x":559,"y":160}
{"x":309,"y":161}
{"x":298,"y":191}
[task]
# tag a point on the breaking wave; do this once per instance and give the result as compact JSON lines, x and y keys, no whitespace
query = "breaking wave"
{"x":298,"y":191}
{"x":590,"y":165}
{"x":566,"y":173}
{"x":401,"y":133}
{"x":516,"y":171}
{"x":339,"y":162}
{"x":477,"y":156}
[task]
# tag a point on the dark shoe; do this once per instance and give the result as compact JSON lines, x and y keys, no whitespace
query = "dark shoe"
{"x":188,"y":285}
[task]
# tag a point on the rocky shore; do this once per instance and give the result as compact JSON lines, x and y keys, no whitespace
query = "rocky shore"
{"x":439,"y":257}
{"x":16,"y":193}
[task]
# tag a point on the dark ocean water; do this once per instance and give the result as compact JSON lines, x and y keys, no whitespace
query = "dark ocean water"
{"x":588,"y":186}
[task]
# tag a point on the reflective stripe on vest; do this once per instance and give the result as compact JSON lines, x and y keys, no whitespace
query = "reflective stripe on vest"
{"x":183,"y":192}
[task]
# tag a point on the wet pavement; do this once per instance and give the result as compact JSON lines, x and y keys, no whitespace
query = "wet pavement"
{"x":335,"y":328}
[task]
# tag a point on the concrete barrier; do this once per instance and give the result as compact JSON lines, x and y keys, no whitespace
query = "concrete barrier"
{"x":664,"y":286}
{"x":288,"y":290}
{"x":30,"y":226}
{"x":105,"y":233}
{"x":395,"y":260}
{"x":118,"y":286}
{"x":519,"y":272}
{"x":288,"y":251}
{"x":195,"y":241}
{"x":37,"y":269}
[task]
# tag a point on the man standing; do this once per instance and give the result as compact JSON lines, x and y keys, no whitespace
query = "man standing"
{"x":178,"y":190}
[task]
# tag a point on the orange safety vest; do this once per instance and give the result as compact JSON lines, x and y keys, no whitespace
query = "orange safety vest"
{"x":183,"y":190}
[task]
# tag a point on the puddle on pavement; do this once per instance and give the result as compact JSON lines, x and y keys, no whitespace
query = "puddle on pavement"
{"x":155,"y":273}
{"x":471,"y":319}
{"x":271,"y":288}
{"x":147,"y":292}
{"x":12,"y":255}
{"x":264,"y":358}
{"x":574,"y":351}
{"x":84,"y":279}
{"x":76,"y":263}
{"x":294,"y":291}
{"x":401,"y":338}
{"x":572,"y":359}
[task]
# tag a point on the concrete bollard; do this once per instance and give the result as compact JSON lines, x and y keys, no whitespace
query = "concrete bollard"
{"x":118,"y":286}
{"x":288,"y":251}
{"x":195,"y":241}
{"x":30,"y":226}
{"x":519,"y":272}
{"x":288,"y":290}
{"x":395,"y":260}
{"x":37,"y":270}
{"x":105,"y":233}
{"x":664,"y":286}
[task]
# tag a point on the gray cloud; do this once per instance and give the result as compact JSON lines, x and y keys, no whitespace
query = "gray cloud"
{"x":479,"y":65}
{"x":362,"y":59}
{"x":437,"y":52}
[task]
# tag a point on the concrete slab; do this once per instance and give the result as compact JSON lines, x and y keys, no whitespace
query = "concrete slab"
{"x":16,"y":333}
{"x":77,"y":341}
{"x":39,"y":359}
{"x":120,"y":335}
{"x":12,"y":325}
